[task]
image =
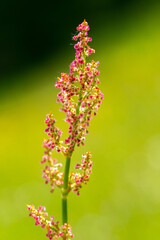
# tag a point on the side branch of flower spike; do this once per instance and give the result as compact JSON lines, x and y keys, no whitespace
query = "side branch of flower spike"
{"x":51,"y":172}
{"x":76,"y":180}
{"x":54,"y":231}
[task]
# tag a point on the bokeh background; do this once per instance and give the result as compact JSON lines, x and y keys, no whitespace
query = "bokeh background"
{"x":122,"y":200}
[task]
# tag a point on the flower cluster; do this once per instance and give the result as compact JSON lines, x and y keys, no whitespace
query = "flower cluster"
{"x":54,"y":133}
{"x":81,"y":98}
{"x":51,"y":172}
{"x":53,"y":230}
{"x":80,"y":94}
{"x":82,"y":48}
{"x":77,"y":179}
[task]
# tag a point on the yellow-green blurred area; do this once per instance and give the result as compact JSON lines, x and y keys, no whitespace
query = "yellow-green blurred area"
{"x":122,"y":199}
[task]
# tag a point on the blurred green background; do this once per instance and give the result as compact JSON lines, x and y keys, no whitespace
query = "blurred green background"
{"x":122,"y":200}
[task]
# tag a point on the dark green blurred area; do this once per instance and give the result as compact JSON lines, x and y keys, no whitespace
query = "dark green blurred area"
{"x":122,"y":200}
{"x":32,"y":31}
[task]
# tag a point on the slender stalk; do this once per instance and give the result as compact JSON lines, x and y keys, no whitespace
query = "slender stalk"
{"x":64,"y":210}
{"x":65,"y":191}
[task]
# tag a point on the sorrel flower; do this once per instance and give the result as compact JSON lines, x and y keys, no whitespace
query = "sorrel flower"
{"x":80,"y":97}
{"x":53,"y":229}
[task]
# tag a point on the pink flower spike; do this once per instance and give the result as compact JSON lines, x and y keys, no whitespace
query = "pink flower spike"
{"x":80,"y":98}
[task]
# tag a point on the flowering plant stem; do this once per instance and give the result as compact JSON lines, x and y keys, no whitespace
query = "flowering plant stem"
{"x":80,"y":97}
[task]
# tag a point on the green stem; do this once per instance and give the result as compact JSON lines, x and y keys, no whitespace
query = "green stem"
{"x":65,"y":191}
{"x":64,"y":210}
{"x":78,"y":107}
{"x":66,"y":173}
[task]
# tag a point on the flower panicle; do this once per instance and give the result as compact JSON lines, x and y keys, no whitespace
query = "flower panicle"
{"x":51,"y":171}
{"x":82,"y":176}
{"x":80,"y":99}
{"x":54,"y":135}
{"x":54,"y":231}
{"x":80,"y":94}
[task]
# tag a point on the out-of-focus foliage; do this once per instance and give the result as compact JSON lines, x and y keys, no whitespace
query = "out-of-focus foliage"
{"x":32,"y":31}
{"x":122,"y":200}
